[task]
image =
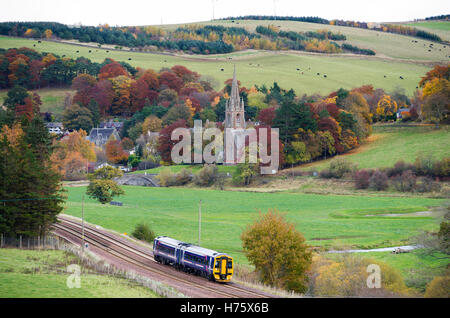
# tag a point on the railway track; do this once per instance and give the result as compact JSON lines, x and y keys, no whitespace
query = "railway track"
{"x":142,"y":259}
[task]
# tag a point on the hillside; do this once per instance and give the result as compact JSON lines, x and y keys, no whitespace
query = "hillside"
{"x":261,"y":67}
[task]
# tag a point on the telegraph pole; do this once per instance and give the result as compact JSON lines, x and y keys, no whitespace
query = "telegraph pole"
{"x":199,"y":221}
{"x":82,"y":224}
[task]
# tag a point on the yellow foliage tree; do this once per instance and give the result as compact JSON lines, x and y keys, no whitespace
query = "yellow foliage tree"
{"x":278,"y":251}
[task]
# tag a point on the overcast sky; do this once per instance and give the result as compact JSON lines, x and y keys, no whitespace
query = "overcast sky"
{"x":145,"y":12}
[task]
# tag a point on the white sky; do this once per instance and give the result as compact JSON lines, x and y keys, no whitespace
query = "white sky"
{"x":145,"y":12}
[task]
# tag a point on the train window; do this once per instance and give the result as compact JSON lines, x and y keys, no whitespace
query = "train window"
{"x":217,"y":264}
{"x":229,"y":264}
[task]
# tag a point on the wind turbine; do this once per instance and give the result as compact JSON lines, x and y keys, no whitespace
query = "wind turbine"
{"x":274,"y":8}
{"x":213,"y":2}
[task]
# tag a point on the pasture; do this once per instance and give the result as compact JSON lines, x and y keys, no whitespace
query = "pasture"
{"x":261,"y":67}
{"x":325,"y":220}
{"x":387,"y":45}
{"x":391,"y":143}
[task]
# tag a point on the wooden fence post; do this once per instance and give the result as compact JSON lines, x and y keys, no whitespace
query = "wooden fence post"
{"x":20,"y":242}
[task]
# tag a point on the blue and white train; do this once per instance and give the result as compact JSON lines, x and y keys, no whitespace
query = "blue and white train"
{"x":194,"y":259}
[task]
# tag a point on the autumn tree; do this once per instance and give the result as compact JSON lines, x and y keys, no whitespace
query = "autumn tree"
{"x":436,"y":106}
{"x":278,"y":251}
{"x":78,"y":117}
{"x":115,"y":152}
{"x":102,"y":186}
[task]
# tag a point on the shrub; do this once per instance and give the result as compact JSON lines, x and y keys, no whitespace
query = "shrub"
{"x":347,"y":277}
{"x":424,"y":165}
{"x":206,"y":176}
{"x":361,"y":178}
{"x":406,"y":182}
{"x":426,"y":184}
{"x":143,"y":232}
{"x":166,"y":178}
{"x":183,"y":177}
{"x":339,"y":167}
{"x":399,"y":168}
{"x":378,"y":181}
{"x":439,"y":287}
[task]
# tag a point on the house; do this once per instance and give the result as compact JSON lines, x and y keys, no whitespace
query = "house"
{"x":55,"y":128}
{"x":400,"y":111}
{"x":111,"y":124}
{"x":100,"y":136}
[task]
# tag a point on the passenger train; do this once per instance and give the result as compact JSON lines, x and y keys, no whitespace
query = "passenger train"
{"x":193,"y":259}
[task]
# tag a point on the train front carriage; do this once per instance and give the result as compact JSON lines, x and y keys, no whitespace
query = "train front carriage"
{"x":223,"y":268}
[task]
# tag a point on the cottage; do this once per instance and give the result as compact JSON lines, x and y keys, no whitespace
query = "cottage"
{"x":55,"y":128}
{"x":100,"y":136}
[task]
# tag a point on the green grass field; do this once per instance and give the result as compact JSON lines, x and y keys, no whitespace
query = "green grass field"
{"x":174,"y":212}
{"x":390,"y":143}
{"x":52,"y":99}
{"x":177,"y":168}
{"x":384,"y":44}
{"x":441,"y":28}
{"x":341,"y":70}
{"x":43,"y":274}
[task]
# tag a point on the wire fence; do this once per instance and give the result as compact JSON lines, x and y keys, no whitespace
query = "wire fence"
{"x":31,"y":243}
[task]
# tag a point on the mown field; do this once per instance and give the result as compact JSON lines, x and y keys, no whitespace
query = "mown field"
{"x":52,"y":99}
{"x":330,"y":221}
{"x":391,"y":143}
{"x":43,"y":274}
{"x":441,"y":28}
{"x":384,"y":44}
{"x":262,"y":67}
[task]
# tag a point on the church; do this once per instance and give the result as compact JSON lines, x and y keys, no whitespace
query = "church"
{"x":234,"y":109}
{"x":234,"y":125}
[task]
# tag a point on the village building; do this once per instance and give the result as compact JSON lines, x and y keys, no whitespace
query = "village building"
{"x":100,"y":136}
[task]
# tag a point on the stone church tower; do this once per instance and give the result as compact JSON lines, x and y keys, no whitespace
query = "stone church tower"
{"x":234,"y":109}
{"x":234,"y":125}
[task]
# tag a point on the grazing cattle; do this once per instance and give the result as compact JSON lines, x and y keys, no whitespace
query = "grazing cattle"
{"x":107,"y":51}
{"x":298,"y":69}
{"x":401,"y":77}
{"x":129,"y":59}
{"x":221,"y":69}
{"x":384,"y":76}
{"x":324,"y":75}
{"x":78,"y":51}
{"x":90,"y":51}
{"x":318,"y":73}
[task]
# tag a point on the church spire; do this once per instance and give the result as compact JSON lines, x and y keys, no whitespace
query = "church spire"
{"x":235,"y":89}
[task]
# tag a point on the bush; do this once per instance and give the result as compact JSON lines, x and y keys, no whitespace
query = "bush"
{"x":206,"y":176}
{"x":406,"y":182}
{"x":427,"y":184}
{"x":399,"y":168}
{"x":347,"y":277}
{"x":361,"y":178}
{"x":439,"y":287}
{"x":166,"y":178}
{"x":337,"y":169}
{"x":143,"y":232}
{"x":183,"y":177}
{"x":378,"y":181}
